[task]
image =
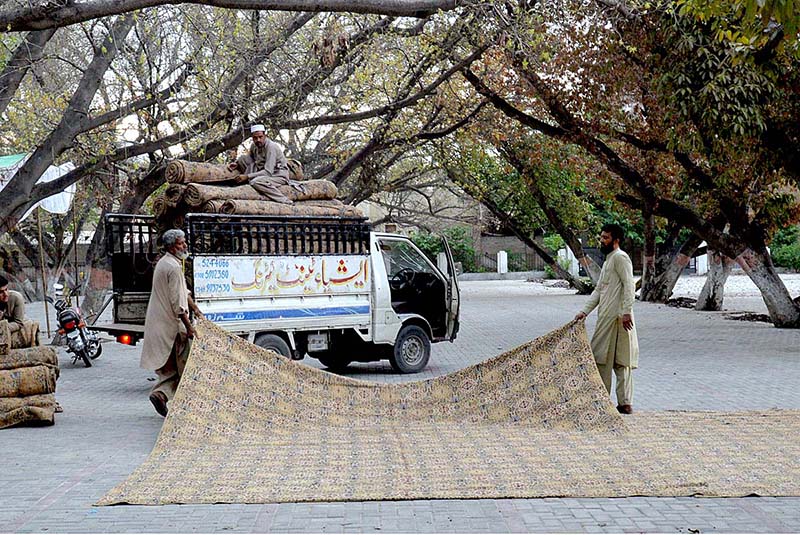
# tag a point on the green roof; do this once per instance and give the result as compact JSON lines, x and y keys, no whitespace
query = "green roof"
{"x":9,"y":161}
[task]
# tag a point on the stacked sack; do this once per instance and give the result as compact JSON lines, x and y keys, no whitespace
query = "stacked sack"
{"x":27,"y":378}
{"x":210,"y":188}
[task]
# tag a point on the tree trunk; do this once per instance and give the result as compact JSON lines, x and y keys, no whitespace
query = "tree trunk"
{"x":719,"y":267}
{"x":659,"y":288}
{"x":649,"y":263}
{"x":566,"y":233}
{"x":782,"y":310}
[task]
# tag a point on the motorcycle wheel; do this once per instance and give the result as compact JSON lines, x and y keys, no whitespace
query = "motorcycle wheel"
{"x":85,"y":356}
{"x":95,"y":349}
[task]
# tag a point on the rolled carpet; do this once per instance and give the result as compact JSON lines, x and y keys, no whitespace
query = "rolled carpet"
{"x":246,"y":207}
{"x":182,"y":172}
{"x":26,"y":336}
{"x":5,"y":338}
{"x":198,"y":194}
{"x":159,"y":206}
{"x":27,"y":381}
{"x":29,"y":409}
{"x":173,"y":195}
{"x":32,"y":356}
{"x":213,"y":206}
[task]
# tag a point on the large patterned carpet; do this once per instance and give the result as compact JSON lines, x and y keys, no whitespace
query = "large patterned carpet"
{"x":247,"y":426}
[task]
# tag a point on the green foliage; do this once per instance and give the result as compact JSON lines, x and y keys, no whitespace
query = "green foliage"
{"x":461,"y":245}
{"x":549,"y":272}
{"x":785,"y":248}
{"x":553,"y":242}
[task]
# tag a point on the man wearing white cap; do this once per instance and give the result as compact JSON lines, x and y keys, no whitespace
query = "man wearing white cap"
{"x":264,"y":166}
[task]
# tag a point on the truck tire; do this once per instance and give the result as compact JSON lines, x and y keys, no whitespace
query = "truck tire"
{"x":275,"y":343}
{"x":331,"y":361}
{"x":412,"y":350}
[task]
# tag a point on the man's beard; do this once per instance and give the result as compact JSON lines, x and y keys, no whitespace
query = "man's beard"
{"x":605,"y":249}
{"x":182,"y":255}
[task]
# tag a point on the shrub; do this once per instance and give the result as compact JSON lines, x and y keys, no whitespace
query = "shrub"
{"x":785,"y":248}
{"x":461,"y":245}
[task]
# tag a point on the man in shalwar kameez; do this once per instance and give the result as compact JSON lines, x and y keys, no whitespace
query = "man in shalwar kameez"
{"x":615,"y":344}
{"x":264,"y":167}
{"x":167,"y":329}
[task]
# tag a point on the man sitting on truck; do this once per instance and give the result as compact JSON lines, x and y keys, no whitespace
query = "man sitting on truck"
{"x":168,"y":332}
{"x":264,"y":167}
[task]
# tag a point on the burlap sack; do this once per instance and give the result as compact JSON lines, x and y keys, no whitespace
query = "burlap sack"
{"x":32,"y":356}
{"x":197,"y":195}
{"x":38,"y":409}
{"x":182,"y":172}
{"x":28,"y":381}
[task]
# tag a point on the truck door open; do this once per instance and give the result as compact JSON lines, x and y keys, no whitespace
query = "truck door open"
{"x":416,"y":285}
{"x":453,"y":301}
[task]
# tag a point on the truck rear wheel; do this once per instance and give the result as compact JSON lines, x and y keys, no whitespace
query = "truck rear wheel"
{"x":275,"y":343}
{"x":412,"y":350}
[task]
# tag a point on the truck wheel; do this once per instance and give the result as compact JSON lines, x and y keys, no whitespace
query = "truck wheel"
{"x":275,"y":343}
{"x":331,"y":361}
{"x":412,"y":350}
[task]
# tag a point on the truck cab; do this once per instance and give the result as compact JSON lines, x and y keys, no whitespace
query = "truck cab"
{"x":326,"y":288}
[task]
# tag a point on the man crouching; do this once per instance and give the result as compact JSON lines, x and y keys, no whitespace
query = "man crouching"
{"x":168,"y":333}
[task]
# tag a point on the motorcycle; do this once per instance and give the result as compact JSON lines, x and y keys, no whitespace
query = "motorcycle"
{"x":81,"y":342}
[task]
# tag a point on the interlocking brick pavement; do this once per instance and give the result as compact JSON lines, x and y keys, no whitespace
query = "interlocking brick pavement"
{"x":690,"y":361}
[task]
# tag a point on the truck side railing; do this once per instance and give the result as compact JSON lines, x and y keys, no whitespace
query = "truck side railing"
{"x":211,"y":234}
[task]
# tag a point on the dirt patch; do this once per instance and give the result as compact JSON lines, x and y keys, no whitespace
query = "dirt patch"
{"x":748,"y":316}
{"x":682,"y":302}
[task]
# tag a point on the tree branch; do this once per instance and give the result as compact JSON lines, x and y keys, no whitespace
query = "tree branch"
{"x":45,"y":15}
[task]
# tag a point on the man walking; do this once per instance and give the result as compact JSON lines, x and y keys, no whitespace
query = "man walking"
{"x":264,"y":166}
{"x":615,"y":344}
{"x":167,"y":330}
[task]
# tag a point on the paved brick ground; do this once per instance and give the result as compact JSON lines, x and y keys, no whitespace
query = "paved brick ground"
{"x":51,"y":476}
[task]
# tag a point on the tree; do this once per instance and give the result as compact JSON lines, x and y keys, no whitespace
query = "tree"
{"x":629,"y":110}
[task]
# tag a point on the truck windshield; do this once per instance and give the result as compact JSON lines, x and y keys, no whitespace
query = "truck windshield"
{"x":400,"y":255}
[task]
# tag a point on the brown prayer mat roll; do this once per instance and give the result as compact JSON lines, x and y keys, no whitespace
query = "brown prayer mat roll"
{"x":5,"y":338}
{"x":159,"y":206}
{"x":29,"y":409}
{"x":295,"y":169}
{"x":240,"y":207}
{"x":182,"y":172}
{"x":32,"y":356}
{"x":173,"y":195}
{"x":28,"y":381}
{"x":213,"y":207}
{"x":26,"y":336}
{"x":198,"y":194}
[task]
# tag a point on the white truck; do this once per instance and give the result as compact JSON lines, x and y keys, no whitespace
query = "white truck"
{"x":328,"y":288}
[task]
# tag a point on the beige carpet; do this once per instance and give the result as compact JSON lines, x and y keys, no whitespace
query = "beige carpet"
{"x":247,"y":426}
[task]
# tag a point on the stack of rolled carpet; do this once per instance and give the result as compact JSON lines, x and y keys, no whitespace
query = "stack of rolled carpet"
{"x":27,"y":381}
{"x":210,"y":188}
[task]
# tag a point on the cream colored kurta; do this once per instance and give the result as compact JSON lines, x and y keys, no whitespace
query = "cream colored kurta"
{"x":613,"y":297}
{"x":169,"y":299}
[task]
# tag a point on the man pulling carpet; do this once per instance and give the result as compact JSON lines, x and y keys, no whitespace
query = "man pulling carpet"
{"x":615,"y":344}
{"x":168,"y":332}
